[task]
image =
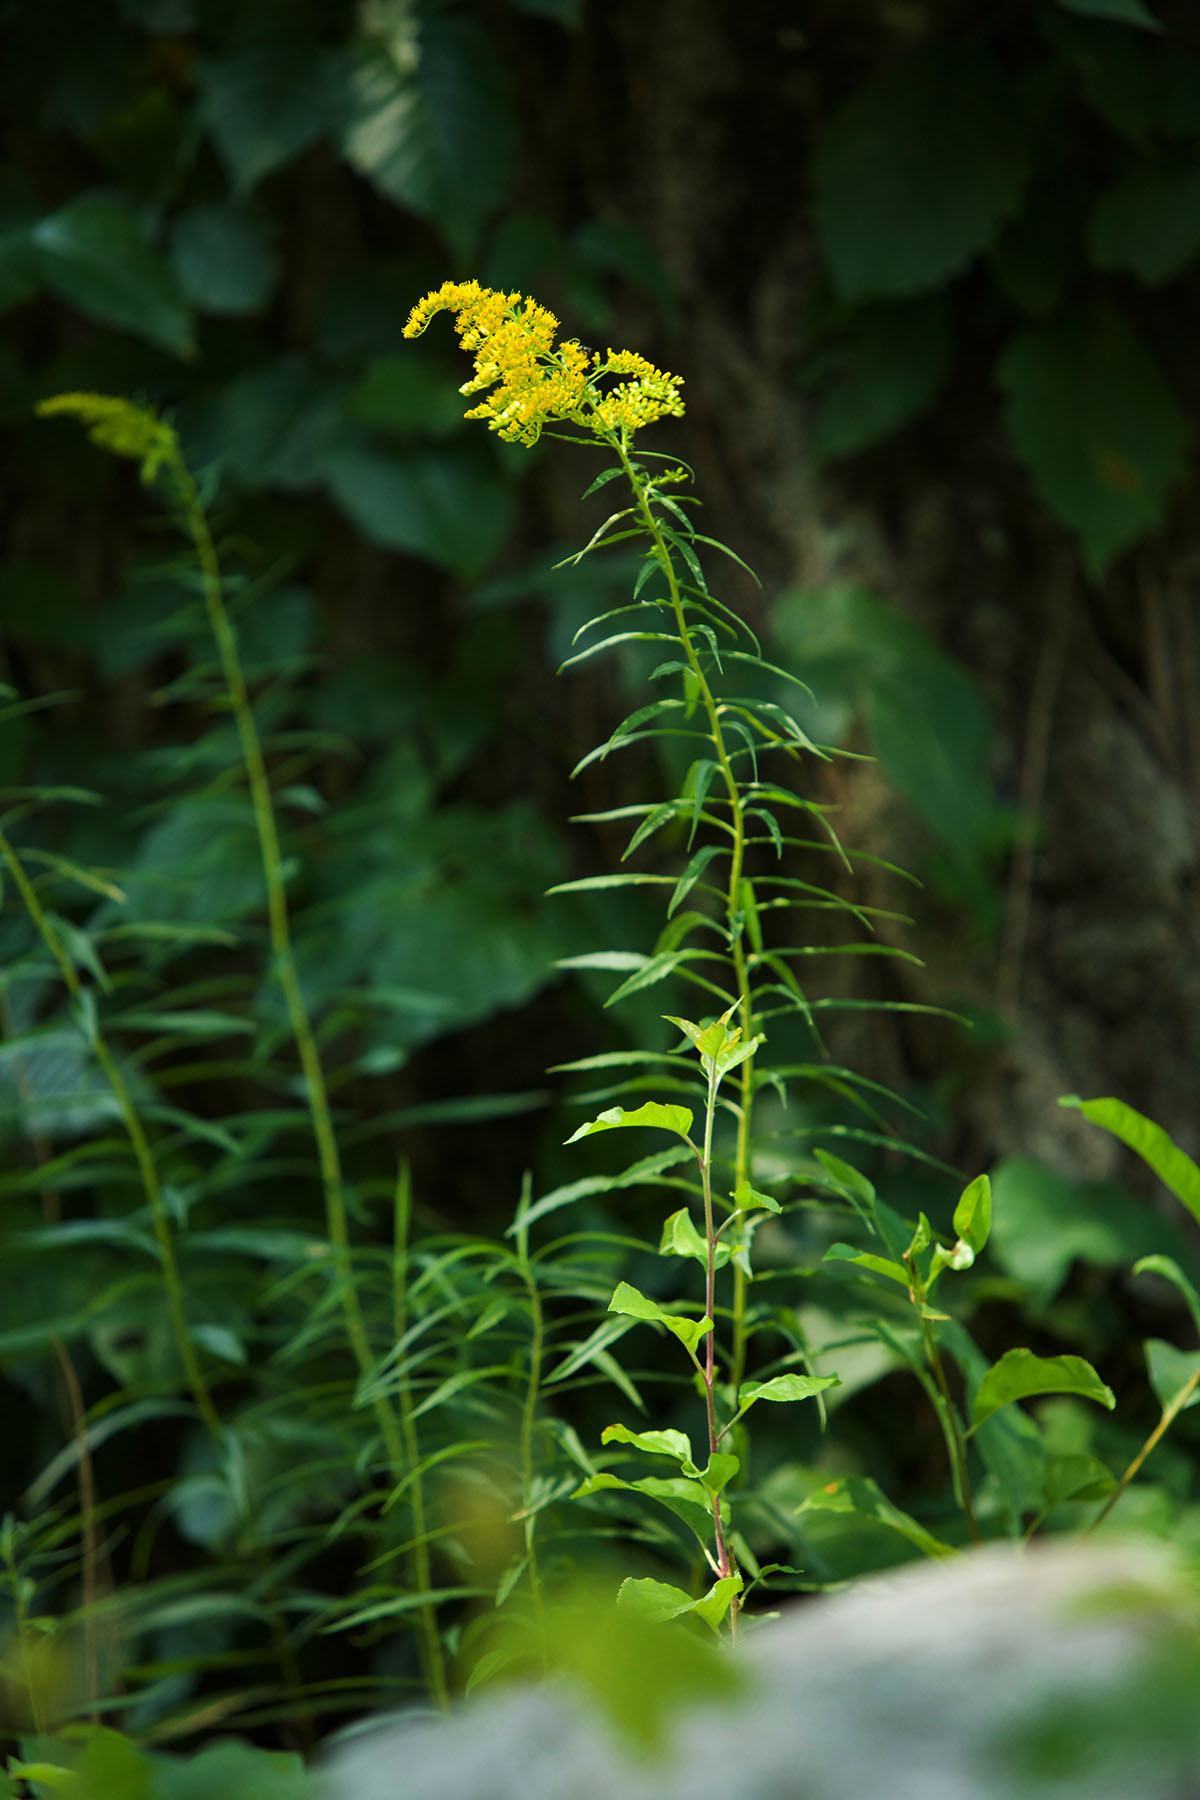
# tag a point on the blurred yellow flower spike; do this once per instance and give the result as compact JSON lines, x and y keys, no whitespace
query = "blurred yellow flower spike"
{"x":535,"y":383}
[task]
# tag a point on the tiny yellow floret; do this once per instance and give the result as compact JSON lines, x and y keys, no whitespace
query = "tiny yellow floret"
{"x":535,"y":383}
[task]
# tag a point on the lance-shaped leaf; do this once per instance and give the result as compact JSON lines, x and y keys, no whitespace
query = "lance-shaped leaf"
{"x":1171,"y":1164}
{"x":973,"y":1214}
{"x":635,"y":1305}
{"x":879,"y":1265}
{"x":1020,"y":1374}
{"x":664,"y":1118}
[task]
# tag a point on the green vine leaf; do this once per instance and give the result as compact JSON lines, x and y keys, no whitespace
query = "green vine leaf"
{"x":901,"y":207}
{"x":95,"y":253}
{"x":973,"y":1214}
{"x":433,"y":126}
{"x":1096,"y":425}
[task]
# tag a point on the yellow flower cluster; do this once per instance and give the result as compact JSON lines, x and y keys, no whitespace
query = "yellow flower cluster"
{"x":119,"y":426}
{"x":533,"y":382}
{"x":631,"y":404}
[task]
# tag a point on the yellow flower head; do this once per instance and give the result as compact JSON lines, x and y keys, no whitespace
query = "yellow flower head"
{"x":533,"y":382}
{"x":119,"y":426}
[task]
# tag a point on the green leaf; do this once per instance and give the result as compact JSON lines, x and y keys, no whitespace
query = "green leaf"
{"x":686,"y":1499}
{"x":656,"y":1443}
{"x":1124,"y":12}
{"x":1169,"y":1270}
{"x":1020,"y":1374}
{"x":691,"y":875}
{"x":902,"y":205}
{"x":224,"y":260}
{"x":714,"y":1605}
{"x":1148,"y":223}
{"x":1096,"y":425}
{"x":882,"y":374}
{"x":1075,"y":1476}
{"x":973,"y":1214}
{"x":264,"y":105}
{"x":656,"y":1601}
{"x":449,"y":506}
{"x":857,"y":1494}
{"x":716,"y":1474}
{"x":747,"y":1198}
{"x":432,"y":124}
{"x":680,"y":1237}
{"x":1171,"y":1164}
{"x":633,"y":1304}
{"x":663,"y":1118}
{"x":879,"y":1265}
{"x":1172,"y":1371}
{"x":95,"y":253}
{"x":784,"y":1388}
{"x":409,"y":394}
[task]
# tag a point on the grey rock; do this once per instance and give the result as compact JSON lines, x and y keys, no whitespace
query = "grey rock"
{"x":921,"y":1685}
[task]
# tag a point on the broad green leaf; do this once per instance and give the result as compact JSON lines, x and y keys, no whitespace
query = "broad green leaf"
{"x":663,"y":1118}
{"x":447,"y":505}
{"x":224,"y":259}
{"x":858,"y":1494}
{"x":95,"y":254}
{"x":1096,"y":425}
{"x":879,"y":1265}
{"x":264,"y":105}
{"x":1169,"y":1270}
{"x":884,"y":372}
{"x":717,"y":1472}
{"x":1123,"y":12}
{"x":1043,"y":1223}
{"x":632,"y":1304}
{"x":784,"y":1388}
{"x":714,"y":1605}
{"x":432,"y":124}
{"x":747,"y":1198}
{"x":1171,"y":1164}
{"x":656,"y":1443}
{"x":410,"y":395}
{"x":680,"y":1237}
{"x":973,"y":1214}
{"x":1020,"y":1374}
{"x":653,"y":1600}
{"x":687,"y":1500}
{"x":1075,"y":1476}
{"x":1148,"y":223}
{"x":901,"y":206}
{"x":1174,"y":1374}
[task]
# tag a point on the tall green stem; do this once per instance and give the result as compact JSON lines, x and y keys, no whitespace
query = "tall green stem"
{"x":316,"y":1091}
{"x":1170,"y":1413}
{"x":142,"y":1153}
{"x":733,"y":906}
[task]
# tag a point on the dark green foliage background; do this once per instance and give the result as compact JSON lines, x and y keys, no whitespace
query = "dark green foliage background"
{"x":930,"y":273}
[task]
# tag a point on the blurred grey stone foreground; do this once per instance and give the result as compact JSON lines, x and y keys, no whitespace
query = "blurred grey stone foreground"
{"x":1069,"y":1670}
